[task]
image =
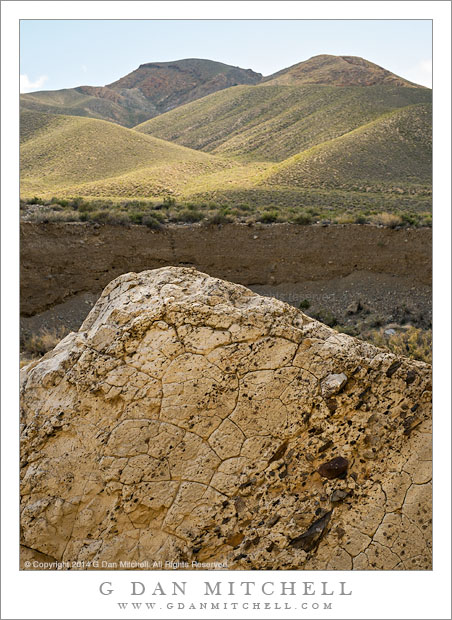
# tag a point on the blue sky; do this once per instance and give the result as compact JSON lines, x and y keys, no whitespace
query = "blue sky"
{"x":66,"y":53}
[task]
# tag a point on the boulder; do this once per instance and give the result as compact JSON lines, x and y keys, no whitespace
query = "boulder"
{"x":186,"y":422}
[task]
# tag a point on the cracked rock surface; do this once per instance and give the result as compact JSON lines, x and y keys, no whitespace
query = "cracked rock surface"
{"x":190,"y":420}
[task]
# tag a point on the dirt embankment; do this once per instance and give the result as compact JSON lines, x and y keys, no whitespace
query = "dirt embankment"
{"x":60,"y":261}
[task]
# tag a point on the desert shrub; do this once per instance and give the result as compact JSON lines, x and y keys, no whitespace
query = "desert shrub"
{"x":97,"y":216}
{"x":83,"y":207}
{"x":169,"y":201}
{"x":190,"y":217}
{"x":375,"y":320}
{"x":55,"y":201}
{"x":160,"y":217}
{"x":361,"y":219}
{"x":305,"y":304}
{"x":268,"y":217}
{"x":105,"y":216}
{"x":410,"y":219}
{"x":426,"y":219}
{"x":219,"y":218}
{"x":412,"y":342}
{"x":151,"y":222}
{"x":387,"y":219}
{"x":132,"y":204}
{"x":40,"y":218}
{"x":303,"y":219}
{"x":38,"y":201}
{"x":350,"y":330}
{"x":325,"y":316}
{"x":44,"y":217}
{"x":99,"y":205}
{"x":117,"y":219}
{"x":38,"y":344}
{"x":345,"y":218}
{"x":77,"y":203}
{"x":137,"y":217}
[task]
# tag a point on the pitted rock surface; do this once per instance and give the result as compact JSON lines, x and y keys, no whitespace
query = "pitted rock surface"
{"x":186,"y":421}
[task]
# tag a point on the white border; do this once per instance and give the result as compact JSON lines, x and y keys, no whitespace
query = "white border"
{"x":64,"y":594}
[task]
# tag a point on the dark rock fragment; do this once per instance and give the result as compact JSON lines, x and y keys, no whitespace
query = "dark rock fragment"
{"x":311,"y":538}
{"x":410,"y":423}
{"x":273,"y":521}
{"x":331,"y":404}
{"x":325,"y":446}
{"x":410,"y":377}
{"x":338,"y":496}
{"x":239,"y":504}
{"x":235,"y":539}
{"x":279,"y":452}
{"x":392,"y":369}
{"x":334,"y":468}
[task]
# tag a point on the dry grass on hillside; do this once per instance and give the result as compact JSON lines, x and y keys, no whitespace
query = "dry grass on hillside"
{"x":272,"y":122}
{"x":64,"y":153}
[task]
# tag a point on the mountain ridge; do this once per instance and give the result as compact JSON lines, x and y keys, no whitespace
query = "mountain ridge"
{"x":155,"y":88}
{"x":149,"y":90}
{"x":338,"y":71}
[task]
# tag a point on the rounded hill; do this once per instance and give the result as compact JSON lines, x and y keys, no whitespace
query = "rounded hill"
{"x":393,"y":151}
{"x":58,"y":152}
{"x":338,"y":71}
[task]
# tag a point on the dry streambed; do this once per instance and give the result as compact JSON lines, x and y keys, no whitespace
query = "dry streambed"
{"x":356,"y":276}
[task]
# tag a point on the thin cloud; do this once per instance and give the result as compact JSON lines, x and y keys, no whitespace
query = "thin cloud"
{"x":26,"y":85}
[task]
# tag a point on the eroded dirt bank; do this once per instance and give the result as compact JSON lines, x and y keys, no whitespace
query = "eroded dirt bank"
{"x":61,"y":261}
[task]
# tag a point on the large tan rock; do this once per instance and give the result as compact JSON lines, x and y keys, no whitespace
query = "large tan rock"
{"x":190,"y":420}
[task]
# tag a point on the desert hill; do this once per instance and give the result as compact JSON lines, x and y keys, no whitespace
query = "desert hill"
{"x":272,"y":122}
{"x":393,"y":151}
{"x":151,"y":89}
{"x":338,"y":71}
{"x":61,"y":153}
